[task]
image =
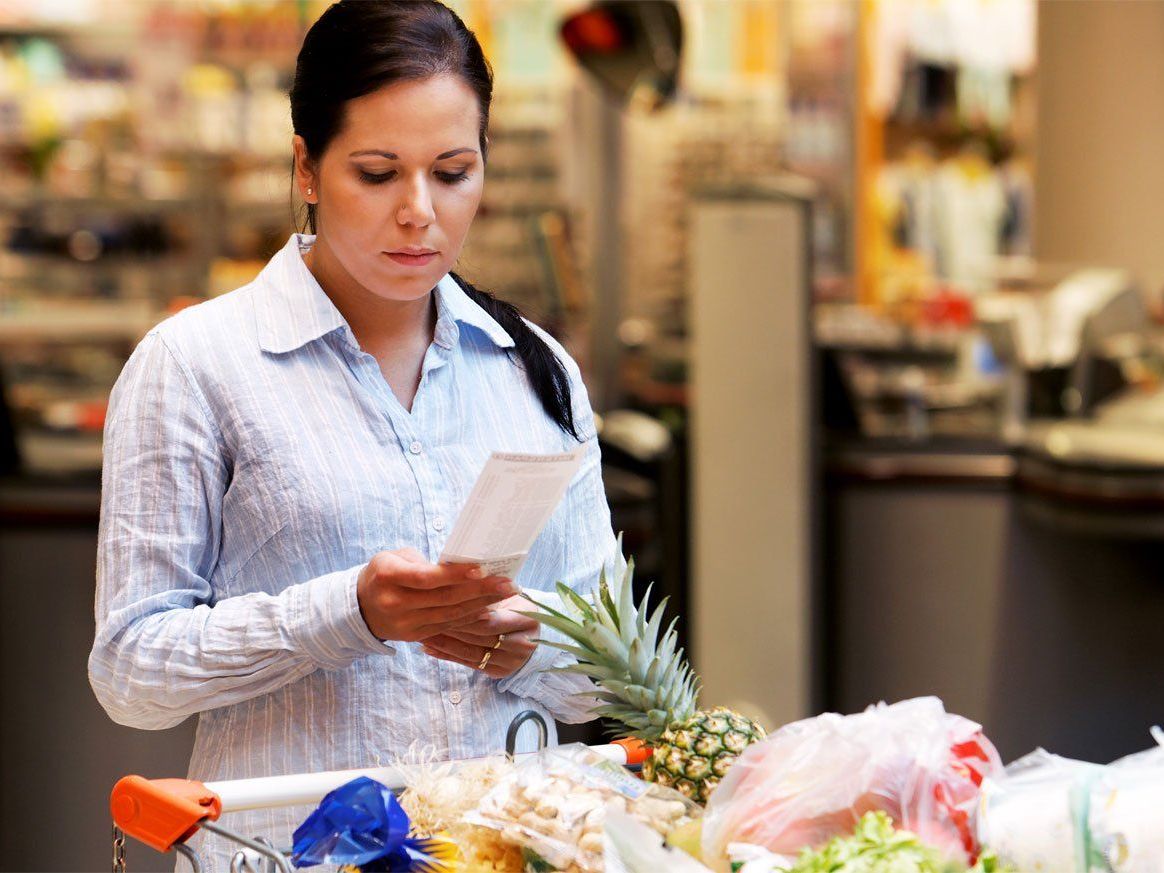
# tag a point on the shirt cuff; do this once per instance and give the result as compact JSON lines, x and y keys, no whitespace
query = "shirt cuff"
{"x":325,"y":621}
{"x":525,"y":680}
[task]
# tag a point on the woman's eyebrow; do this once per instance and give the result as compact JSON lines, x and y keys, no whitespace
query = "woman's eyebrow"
{"x":393,"y":157}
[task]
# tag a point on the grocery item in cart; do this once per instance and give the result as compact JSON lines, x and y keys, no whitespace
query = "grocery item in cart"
{"x":875,"y":846}
{"x":632,"y":847}
{"x":554,"y":806}
{"x":1126,"y":816}
{"x":1049,"y":814}
{"x":814,"y":779}
{"x":362,"y":827}
{"x":440,"y":795}
{"x":647,"y":685}
{"x":1030,"y":815}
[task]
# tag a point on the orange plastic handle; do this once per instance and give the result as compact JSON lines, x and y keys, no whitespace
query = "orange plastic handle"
{"x":161,"y":812}
{"x":636,"y":750}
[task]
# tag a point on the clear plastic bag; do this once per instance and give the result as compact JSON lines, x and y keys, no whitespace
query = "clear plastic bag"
{"x":1031,"y":815}
{"x":632,"y":847}
{"x":554,"y":805}
{"x":814,"y":779}
{"x":1125,"y":817}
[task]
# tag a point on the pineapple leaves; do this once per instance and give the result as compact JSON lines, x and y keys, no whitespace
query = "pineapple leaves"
{"x":542,"y":607}
{"x":641,"y":613}
{"x":569,"y":595}
{"x":563,"y":625}
{"x":584,"y":656}
{"x":641,"y":676}
{"x":592,"y":671}
{"x":638,"y":661}
{"x":626,"y":603}
{"x":604,"y":600}
{"x":650,"y":634}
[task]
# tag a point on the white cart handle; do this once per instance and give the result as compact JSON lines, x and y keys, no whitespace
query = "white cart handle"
{"x":165,"y":812}
{"x":273,"y":791}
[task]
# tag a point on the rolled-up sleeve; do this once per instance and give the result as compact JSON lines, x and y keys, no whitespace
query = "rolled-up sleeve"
{"x":590,"y":547}
{"x":165,"y":646}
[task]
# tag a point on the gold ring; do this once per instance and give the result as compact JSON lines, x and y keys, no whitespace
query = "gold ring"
{"x":500,"y":640}
{"x":485,"y":661}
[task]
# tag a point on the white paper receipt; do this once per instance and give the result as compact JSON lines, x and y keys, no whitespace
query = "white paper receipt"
{"x":512,"y":500}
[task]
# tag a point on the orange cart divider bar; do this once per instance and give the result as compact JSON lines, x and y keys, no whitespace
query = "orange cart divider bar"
{"x":162,"y":812}
{"x":636,"y":750}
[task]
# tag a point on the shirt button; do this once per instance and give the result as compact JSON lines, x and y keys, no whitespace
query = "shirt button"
{"x":455,"y":697}
{"x":438,"y":523}
{"x":415,"y":447}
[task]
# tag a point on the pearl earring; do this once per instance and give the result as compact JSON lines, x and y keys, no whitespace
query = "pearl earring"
{"x":308,"y":192}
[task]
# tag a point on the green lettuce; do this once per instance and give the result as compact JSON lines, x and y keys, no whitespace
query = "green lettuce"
{"x":876,"y":846}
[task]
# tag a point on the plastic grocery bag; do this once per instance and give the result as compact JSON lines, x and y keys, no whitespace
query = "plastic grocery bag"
{"x":1032,"y":815}
{"x":633,"y":847}
{"x":1125,"y":817}
{"x":814,"y":779}
{"x":554,"y":805}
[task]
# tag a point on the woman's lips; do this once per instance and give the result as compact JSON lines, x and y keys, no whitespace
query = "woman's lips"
{"x":411,"y":260}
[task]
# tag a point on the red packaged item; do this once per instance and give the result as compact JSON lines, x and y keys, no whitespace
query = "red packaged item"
{"x":814,"y":779}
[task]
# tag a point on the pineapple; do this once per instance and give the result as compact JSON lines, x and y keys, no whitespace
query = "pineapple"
{"x":648,"y":686}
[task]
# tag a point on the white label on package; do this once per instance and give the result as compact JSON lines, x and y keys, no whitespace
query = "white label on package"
{"x":513,"y":498}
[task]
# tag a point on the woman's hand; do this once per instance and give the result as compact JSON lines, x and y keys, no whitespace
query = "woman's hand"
{"x":503,"y":633}
{"x":404,"y":597}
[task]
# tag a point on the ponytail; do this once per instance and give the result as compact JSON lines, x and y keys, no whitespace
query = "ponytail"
{"x":546,"y":373}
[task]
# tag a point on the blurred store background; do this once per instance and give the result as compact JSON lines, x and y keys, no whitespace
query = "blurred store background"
{"x":868,"y":294}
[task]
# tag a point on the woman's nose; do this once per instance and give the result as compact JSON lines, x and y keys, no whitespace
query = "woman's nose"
{"x":416,"y":209}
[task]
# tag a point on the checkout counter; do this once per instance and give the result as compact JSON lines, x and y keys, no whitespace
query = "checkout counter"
{"x":1020,"y":578}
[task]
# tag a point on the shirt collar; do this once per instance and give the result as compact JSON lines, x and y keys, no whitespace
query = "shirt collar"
{"x":453,"y":302}
{"x":296,"y":310}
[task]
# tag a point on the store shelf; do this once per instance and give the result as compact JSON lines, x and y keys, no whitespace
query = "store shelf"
{"x":119,"y":204}
{"x":90,"y":321}
{"x":107,"y":263}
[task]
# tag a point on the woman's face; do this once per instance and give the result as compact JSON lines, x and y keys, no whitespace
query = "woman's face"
{"x":405,"y":171}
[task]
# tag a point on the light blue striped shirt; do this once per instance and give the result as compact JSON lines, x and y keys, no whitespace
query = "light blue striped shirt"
{"x":255,"y":459}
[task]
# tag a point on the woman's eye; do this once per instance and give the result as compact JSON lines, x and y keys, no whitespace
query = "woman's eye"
{"x":379,"y":178}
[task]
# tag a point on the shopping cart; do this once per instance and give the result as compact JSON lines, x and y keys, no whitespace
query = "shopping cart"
{"x":165,"y":813}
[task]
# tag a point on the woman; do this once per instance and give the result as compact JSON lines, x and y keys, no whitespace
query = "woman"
{"x":284,"y":463}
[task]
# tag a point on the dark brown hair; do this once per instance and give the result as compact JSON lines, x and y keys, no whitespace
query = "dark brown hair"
{"x":359,"y":46}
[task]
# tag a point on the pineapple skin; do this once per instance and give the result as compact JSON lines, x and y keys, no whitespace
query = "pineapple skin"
{"x":692,"y":755}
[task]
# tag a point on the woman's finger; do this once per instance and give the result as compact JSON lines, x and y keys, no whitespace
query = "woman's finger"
{"x":449,"y":646}
{"x":500,"y":621}
{"x":476,"y":640}
{"x":449,"y":616}
{"x":429,"y":576}
{"x":518,"y":643}
{"x":493,"y":671}
{"x":507,"y":657}
{"x":411,"y":555}
{"x":454,"y":595}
